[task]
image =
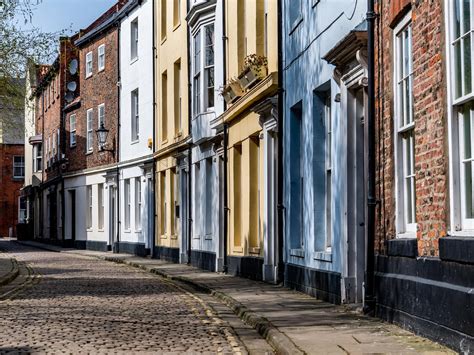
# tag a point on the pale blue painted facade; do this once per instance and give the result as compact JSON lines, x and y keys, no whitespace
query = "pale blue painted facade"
{"x":317,"y":234}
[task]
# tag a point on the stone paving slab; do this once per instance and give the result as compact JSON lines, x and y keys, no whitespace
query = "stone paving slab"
{"x":292,"y":322}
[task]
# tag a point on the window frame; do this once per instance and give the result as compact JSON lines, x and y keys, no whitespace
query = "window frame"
{"x":134,"y":40}
{"x":328,"y":132}
{"x":101,"y":66}
{"x":127,"y":203}
{"x":18,"y":165}
{"x":89,"y":207}
{"x":72,"y":131}
{"x":38,"y":156}
{"x":89,"y":130}
{"x":89,"y":61}
{"x":404,"y":133}
{"x":200,"y":90}
{"x":100,"y":206}
{"x":100,"y":117}
{"x":464,"y":97}
{"x":138,"y":204}
{"x":135,"y":115}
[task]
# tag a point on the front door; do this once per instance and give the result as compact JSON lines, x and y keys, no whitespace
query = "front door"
{"x":150,"y":215}
{"x":357,"y":194}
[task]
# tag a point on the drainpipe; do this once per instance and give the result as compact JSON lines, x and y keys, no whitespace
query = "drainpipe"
{"x":369,"y":299}
{"x":280,"y":208}
{"x":225,"y":188}
{"x":117,"y":212}
{"x":152,"y":247}
{"x":190,"y":201}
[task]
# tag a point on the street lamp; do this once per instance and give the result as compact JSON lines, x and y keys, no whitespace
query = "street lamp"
{"x":102,"y":134}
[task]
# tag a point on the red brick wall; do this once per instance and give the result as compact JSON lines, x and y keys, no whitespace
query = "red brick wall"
{"x":100,"y":88}
{"x":9,"y":187}
{"x":431,"y":152}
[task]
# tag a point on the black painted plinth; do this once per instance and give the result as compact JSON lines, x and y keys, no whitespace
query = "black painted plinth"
{"x":459,"y":249}
{"x":429,"y":296}
{"x":406,"y":247}
{"x":129,"y":248}
{"x":324,"y":285}
{"x":203,"y":260}
{"x":167,"y":254}
{"x":245,"y":266}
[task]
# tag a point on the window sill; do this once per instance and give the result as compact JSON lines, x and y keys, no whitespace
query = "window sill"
{"x":135,"y":142}
{"x":18,"y":178}
{"x":101,"y":70}
{"x":174,"y":236}
{"x":164,"y":236}
{"x":89,"y":230}
{"x":133,"y":60}
{"x":254,"y":250}
{"x":208,"y":237}
{"x":127,"y":231}
{"x":138,"y":230}
{"x":299,"y":253}
{"x":406,"y":235}
{"x":463,"y":99}
{"x":100,"y":230}
{"x":164,"y":141}
{"x":176,"y":26}
{"x":72,"y":146}
{"x":238,"y":250}
{"x":89,"y":153}
{"x":323,"y":256}
{"x":163,"y":40}
{"x":88,"y":76}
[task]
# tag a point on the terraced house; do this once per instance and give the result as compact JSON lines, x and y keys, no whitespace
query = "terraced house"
{"x":248,"y":125}
{"x":172,"y":131}
{"x":206,"y":32}
{"x":91,"y":107}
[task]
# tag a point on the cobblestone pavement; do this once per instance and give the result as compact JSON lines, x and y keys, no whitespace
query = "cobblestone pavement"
{"x":74,"y":304}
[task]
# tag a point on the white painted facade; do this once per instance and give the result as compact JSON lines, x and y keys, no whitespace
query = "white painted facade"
{"x":135,"y":142}
{"x":207,"y":207}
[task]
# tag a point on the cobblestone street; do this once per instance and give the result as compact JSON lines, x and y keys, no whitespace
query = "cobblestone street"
{"x":76,"y":304}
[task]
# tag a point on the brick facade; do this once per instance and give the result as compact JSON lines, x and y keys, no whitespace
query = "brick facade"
{"x":431,"y":136}
{"x":100,"y":88}
{"x":10,"y":188}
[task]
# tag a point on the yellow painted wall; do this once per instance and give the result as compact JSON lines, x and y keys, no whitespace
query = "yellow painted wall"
{"x":245,"y":24}
{"x":171,"y":54}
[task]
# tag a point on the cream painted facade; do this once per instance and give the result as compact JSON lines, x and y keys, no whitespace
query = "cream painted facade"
{"x":171,"y":128}
{"x":251,"y":28}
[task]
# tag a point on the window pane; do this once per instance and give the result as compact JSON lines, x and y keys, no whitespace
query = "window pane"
{"x":457,"y":18}
{"x":467,"y":65}
{"x":210,"y":86}
{"x":197,"y":53}
{"x":209,"y":45}
{"x":468,"y":189}
{"x":467,"y":133}
{"x":458,"y":69}
{"x":466,"y":18}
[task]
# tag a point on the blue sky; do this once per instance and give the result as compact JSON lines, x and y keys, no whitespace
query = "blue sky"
{"x":57,"y":15}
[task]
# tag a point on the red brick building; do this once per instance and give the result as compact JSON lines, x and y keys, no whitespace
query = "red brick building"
{"x":425,"y":229}
{"x":50,"y":95}
{"x":12,"y":164}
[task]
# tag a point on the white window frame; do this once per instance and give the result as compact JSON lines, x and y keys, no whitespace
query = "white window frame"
{"x":200,"y":97}
{"x":101,"y":58}
{"x":329,"y":154}
{"x":100,"y":206}
{"x":134,"y":40}
{"x":90,"y":133}
{"x":18,"y":165}
{"x":89,"y":206}
{"x":461,"y":40}
{"x":403,"y":173}
{"x":135,"y":115}
{"x":100,"y":115}
{"x":467,"y":223}
{"x":38,"y":157}
{"x":89,"y":65}
{"x":72,"y":130}
{"x":127,"y":203}
{"x":460,"y":224}
{"x":138,"y":204}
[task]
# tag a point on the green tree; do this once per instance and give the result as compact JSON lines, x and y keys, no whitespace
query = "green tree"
{"x":20,"y":43}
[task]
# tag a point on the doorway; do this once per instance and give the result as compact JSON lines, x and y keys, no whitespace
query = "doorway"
{"x":150,"y":214}
{"x":357,"y":192}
